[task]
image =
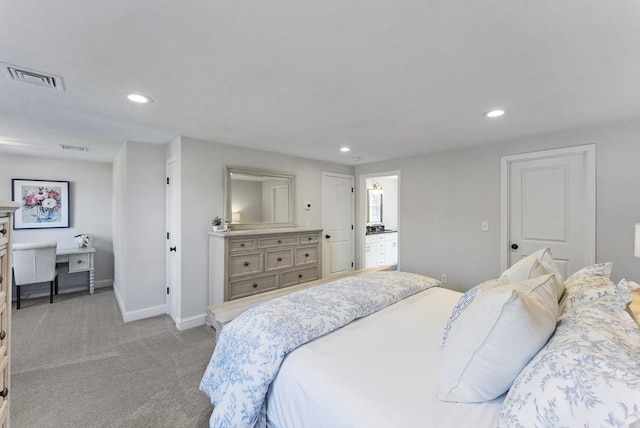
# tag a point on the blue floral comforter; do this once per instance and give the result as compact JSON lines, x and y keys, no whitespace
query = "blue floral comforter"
{"x":252,"y":347}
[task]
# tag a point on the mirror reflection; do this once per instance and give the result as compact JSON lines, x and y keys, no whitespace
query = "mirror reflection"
{"x":374,"y":205}
{"x":259,"y":198}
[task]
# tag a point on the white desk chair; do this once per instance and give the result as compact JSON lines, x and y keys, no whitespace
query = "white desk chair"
{"x":35,"y":263}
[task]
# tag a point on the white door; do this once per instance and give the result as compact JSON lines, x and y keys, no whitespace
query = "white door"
{"x":337,"y":221}
{"x":172,"y":240}
{"x":549,"y":197}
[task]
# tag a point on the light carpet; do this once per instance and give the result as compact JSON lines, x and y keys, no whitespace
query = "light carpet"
{"x":76,"y":364}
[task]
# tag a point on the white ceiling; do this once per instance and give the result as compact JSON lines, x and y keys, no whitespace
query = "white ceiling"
{"x":389,"y":79}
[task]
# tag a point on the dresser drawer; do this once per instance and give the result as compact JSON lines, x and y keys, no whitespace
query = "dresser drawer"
{"x":299,"y":276}
{"x":309,"y":238}
{"x":4,"y":230}
{"x":4,"y":329}
{"x":251,"y":286}
{"x":79,"y":262}
{"x":306,"y":255}
{"x":242,"y":244}
{"x":4,"y":273}
{"x":4,"y":375}
{"x":278,"y":259}
{"x":278,"y":241}
{"x":245,"y":264}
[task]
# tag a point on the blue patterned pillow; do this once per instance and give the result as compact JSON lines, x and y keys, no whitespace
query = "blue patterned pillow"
{"x":589,"y":372}
{"x":586,"y":285}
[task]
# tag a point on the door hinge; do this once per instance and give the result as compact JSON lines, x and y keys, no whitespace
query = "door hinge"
{"x":167,"y":290}
{"x":351,"y":227}
{"x":351,"y":264}
{"x":167,"y":235}
{"x":352,"y":190}
{"x":167,"y":180}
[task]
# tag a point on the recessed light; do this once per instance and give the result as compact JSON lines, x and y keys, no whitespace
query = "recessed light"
{"x":139,"y":98}
{"x":344,"y":149}
{"x":494,"y":113}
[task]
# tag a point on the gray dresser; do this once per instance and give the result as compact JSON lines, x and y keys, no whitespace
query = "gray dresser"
{"x":247,"y":262}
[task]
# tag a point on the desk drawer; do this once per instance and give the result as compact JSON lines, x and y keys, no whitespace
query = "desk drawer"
{"x":79,"y":262}
{"x":251,"y":286}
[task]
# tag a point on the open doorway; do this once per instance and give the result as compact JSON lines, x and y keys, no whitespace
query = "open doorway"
{"x":380,"y":217}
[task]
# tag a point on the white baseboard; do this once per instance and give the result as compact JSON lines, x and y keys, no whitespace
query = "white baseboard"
{"x":139,"y":314}
{"x":143,"y":313}
{"x":191,"y":322}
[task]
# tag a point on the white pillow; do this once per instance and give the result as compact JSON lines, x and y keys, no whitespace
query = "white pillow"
{"x":494,"y":337}
{"x":536,"y":264}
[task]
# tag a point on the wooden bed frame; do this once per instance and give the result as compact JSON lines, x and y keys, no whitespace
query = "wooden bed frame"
{"x":220,"y":315}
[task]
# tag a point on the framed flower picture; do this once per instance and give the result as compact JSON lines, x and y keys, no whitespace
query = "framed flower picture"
{"x":43,"y":204}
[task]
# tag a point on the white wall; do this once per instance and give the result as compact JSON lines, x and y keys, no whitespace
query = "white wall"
{"x":444,"y":198}
{"x":202,"y":193}
{"x":90,"y":190}
{"x":139,"y":221}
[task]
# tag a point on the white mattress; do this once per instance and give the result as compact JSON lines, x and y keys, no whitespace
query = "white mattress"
{"x":379,"y":371}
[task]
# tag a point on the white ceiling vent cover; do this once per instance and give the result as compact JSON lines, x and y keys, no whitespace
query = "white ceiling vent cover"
{"x":25,"y":75}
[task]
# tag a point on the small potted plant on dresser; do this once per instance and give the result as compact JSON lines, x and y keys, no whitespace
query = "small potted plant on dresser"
{"x":217,"y":224}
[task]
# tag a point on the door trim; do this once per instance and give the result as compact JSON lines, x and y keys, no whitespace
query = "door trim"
{"x":353,"y":219}
{"x":589,"y":150}
{"x":173,"y":312}
{"x":362,"y":209}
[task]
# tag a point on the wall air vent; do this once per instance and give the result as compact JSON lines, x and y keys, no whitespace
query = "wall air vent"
{"x":74,"y":148}
{"x":25,"y":75}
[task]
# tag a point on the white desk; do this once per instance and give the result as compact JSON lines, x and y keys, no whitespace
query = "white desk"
{"x":79,"y":260}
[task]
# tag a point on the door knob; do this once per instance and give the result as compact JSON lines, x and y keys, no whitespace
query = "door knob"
{"x":514,"y":246}
{"x":327,"y":236}
{"x":172,"y":248}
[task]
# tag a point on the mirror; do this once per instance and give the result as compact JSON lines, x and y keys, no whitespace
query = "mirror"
{"x":258,"y":199}
{"x":374,"y":205}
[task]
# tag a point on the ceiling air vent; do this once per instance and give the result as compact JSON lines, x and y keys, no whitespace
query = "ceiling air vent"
{"x":74,"y":148}
{"x":21,"y":74}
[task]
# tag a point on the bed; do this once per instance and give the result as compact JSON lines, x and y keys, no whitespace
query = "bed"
{"x":414,"y":358}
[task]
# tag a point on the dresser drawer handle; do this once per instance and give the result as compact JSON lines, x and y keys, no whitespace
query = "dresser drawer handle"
{"x":79,"y":262}
{"x":299,"y":275}
{"x":3,"y":334}
{"x":1,"y":279}
{"x":242,"y":245}
{"x":279,"y":259}
{"x":306,"y":255}
{"x":246,"y":263}
{"x":255,"y":285}
{"x":4,"y":392}
{"x":310,"y":239}
{"x":279,"y":241}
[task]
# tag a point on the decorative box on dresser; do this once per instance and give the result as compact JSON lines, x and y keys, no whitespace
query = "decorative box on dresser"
{"x":6,"y":225}
{"x":247,"y":262}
